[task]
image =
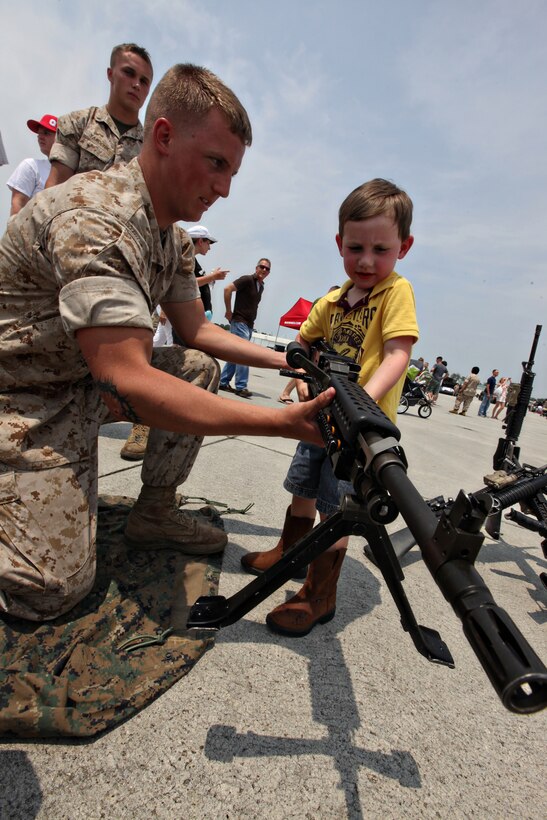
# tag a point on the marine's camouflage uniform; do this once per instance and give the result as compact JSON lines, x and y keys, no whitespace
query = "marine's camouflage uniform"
{"x":85,"y":254}
{"x":466,"y":393}
{"x":89,"y":140}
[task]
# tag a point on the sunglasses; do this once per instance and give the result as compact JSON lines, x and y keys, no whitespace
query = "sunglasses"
{"x":263,"y":267}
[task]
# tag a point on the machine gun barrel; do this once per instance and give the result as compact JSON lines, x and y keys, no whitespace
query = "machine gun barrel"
{"x":516,"y":672}
{"x":521,"y":490}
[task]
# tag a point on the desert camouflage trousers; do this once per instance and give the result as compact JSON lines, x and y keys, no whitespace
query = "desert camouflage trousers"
{"x":48,"y":517}
{"x":464,"y":399}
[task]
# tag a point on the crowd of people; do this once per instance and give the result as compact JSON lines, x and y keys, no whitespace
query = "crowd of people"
{"x":499,"y":395}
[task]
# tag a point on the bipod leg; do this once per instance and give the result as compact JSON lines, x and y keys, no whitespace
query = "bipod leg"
{"x":427,"y":641}
{"x":402,"y":542}
{"x":216,"y":611}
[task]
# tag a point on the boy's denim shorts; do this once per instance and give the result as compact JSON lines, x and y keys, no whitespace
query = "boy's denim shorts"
{"x":311,"y":476}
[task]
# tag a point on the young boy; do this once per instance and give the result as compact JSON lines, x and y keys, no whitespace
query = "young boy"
{"x":371,"y":318}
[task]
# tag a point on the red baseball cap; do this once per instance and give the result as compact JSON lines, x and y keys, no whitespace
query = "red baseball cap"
{"x":48,"y":121}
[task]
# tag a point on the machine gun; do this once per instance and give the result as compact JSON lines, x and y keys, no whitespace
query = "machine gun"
{"x":511,"y":483}
{"x":363,"y":446}
{"x":507,"y":453}
{"x":516,"y":477}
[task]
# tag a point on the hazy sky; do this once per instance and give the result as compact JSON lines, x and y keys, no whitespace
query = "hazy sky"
{"x":446,"y":99}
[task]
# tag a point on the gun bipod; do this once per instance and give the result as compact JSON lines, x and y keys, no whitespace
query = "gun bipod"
{"x":352,"y":519}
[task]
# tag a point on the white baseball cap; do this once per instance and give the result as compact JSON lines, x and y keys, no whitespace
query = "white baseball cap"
{"x":201,"y":232}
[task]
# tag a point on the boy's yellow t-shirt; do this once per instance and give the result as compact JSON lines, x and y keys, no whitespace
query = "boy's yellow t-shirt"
{"x":360,"y":333}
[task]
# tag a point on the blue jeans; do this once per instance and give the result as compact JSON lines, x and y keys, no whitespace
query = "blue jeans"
{"x":485,"y":404}
{"x":242,"y":330}
{"x":311,"y":476}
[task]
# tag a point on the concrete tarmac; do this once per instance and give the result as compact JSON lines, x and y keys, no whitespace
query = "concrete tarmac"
{"x":348,"y":722}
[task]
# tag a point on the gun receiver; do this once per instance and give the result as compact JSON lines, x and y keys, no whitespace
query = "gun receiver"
{"x":363,"y":446}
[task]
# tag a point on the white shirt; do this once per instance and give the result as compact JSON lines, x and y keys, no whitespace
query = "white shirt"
{"x":30,"y":176}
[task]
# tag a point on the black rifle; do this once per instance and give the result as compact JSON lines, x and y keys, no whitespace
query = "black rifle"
{"x":507,"y":453}
{"x":363,"y":446}
{"x":511,"y":483}
{"x":506,"y":462}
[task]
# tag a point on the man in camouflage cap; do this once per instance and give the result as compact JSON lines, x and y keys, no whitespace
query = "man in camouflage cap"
{"x":81,"y":269}
{"x":94,"y":139}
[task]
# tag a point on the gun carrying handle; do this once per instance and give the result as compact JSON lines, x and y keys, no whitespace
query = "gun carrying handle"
{"x":294,"y":354}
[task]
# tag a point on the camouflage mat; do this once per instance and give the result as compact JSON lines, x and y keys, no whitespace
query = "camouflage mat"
{"x":77,"y":675}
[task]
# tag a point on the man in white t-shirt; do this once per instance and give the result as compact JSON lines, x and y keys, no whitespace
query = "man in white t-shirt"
{"x":30,"y":175}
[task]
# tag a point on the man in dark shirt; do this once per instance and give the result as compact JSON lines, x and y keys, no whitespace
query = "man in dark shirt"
{"x":438,"y":373}
{"x":248,"y":290}
{"x":488,"y":393}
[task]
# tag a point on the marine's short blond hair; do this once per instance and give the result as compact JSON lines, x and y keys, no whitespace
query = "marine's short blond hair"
{"x":133,"y":48}
{"x":186,"y":94}
{"x":378,"y":196}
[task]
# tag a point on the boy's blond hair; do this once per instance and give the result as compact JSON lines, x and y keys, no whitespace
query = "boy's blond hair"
{"x":378,"y":196}
{"x":185,"y":95}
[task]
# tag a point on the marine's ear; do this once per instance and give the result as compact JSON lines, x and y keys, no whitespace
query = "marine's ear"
{"x":162,"y":135}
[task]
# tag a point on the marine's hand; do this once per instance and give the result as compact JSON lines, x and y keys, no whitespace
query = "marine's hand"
{"x":301,"y":418}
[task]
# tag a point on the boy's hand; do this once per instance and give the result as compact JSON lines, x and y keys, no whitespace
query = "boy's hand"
{"x":300,"y":418}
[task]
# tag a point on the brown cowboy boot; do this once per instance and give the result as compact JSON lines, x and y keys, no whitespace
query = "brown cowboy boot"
{"x":294,"y":529}
{"x":315,"y":603}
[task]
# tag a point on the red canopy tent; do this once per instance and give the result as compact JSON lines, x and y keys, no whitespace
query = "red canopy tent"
{"x":296,"y":315}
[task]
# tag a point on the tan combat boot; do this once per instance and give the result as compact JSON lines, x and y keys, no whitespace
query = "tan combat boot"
{"x":135,"y":446}
{"x":294,"y":529}
{"x":156,"y":522}
{"x":315,"y":603}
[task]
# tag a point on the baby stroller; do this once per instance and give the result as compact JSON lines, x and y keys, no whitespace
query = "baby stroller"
{"x":413,"y":393}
